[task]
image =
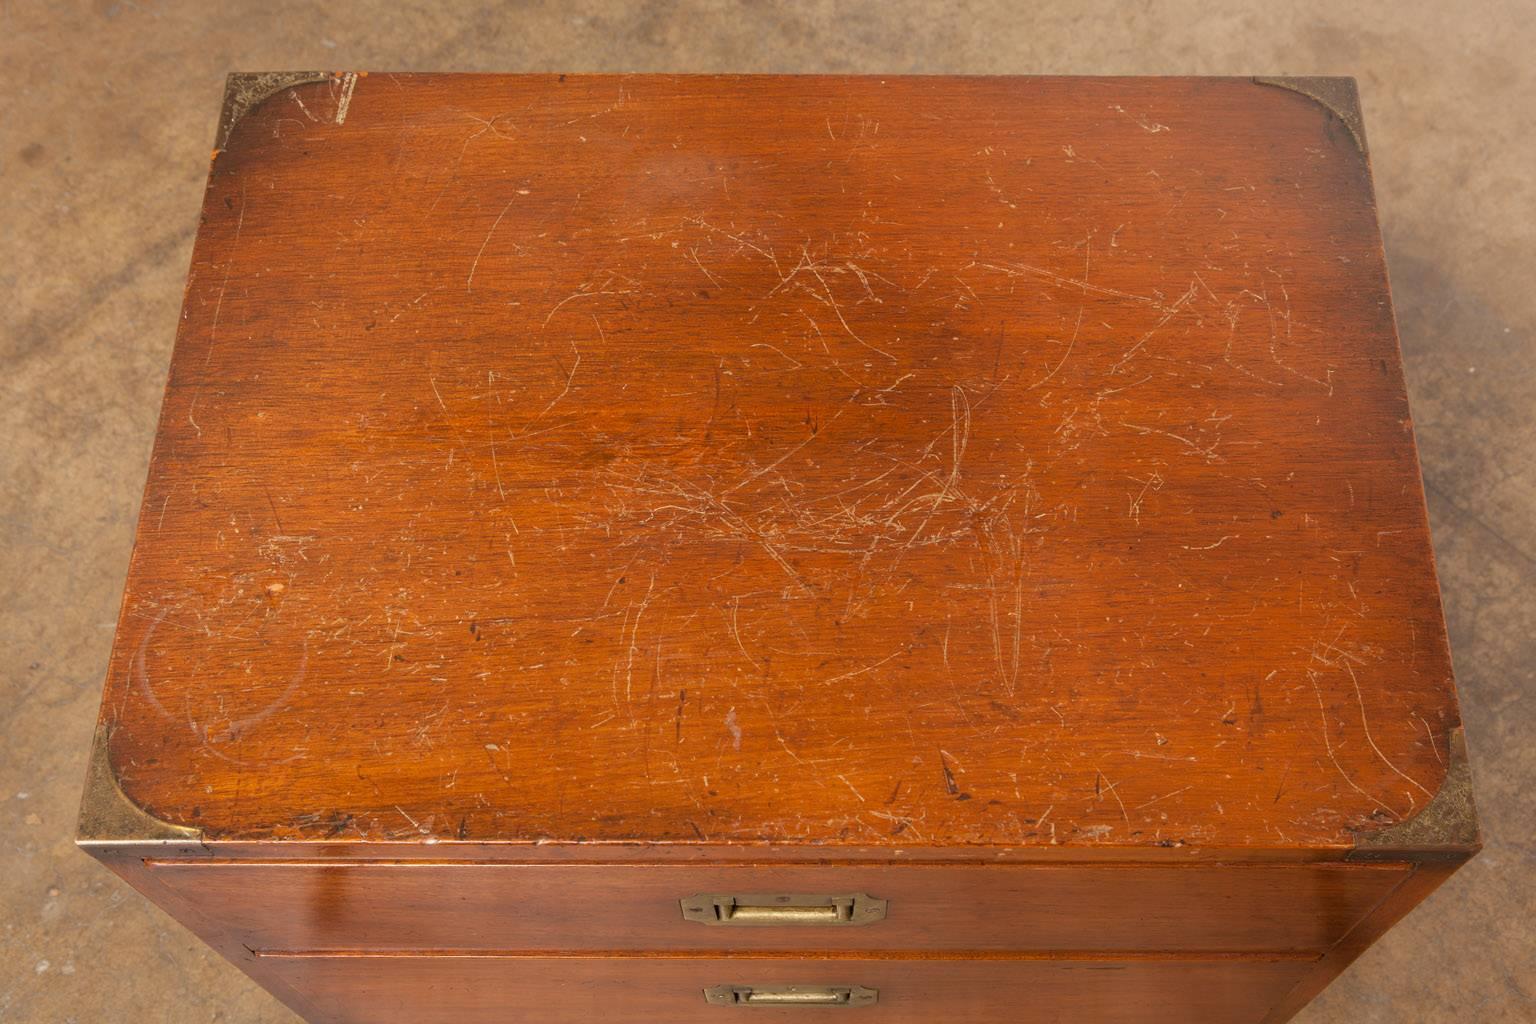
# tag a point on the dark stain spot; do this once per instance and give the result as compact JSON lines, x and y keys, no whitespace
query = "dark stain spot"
{"x":949,"y":776}
{"x":1007,"y":711}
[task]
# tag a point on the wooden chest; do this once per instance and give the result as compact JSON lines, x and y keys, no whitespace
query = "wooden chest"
{"x":655,"y":548}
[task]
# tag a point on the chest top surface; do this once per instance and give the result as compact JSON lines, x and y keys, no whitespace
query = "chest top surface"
{"x":825,"y":461}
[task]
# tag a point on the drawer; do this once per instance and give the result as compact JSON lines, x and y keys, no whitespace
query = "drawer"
{"x":579,"y":990}
{"x":286,"y":906}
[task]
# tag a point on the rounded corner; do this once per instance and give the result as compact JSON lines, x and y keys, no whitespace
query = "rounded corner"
{"x":245,"y":91}
{"x":1446,"y":827}
{"x":1337,"y":95}
{"x":108,"y":815}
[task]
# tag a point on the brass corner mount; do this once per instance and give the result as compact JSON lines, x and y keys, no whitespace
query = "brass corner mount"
{"x":1338,"y":96}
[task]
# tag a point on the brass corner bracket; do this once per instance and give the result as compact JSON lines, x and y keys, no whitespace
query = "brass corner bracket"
{"x":245,"y":90}
{"x":107,"y":815}
{"x":1446,"y":826}
{"x":1338,"y":96}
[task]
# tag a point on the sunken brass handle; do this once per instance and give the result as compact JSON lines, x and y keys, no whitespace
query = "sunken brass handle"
{"x":790,"y":995}
{"x":738,"y":914}
{"x":779,"y":909}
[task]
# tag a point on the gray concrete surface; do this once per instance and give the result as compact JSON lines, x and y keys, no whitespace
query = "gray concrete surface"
{"x":107,"y":114}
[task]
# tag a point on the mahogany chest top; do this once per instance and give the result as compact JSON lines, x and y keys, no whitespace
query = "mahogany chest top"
{"x":878,"y":466}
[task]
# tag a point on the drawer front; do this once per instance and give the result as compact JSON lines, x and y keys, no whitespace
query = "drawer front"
{"x":577,"y":990}
{"x":370,"y":906}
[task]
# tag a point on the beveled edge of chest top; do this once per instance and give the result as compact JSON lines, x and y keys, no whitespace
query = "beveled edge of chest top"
{"x":1446,"y":828}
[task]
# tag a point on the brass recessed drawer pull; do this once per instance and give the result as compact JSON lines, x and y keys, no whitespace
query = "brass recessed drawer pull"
{"x":790,"y":995}
{"x":777,"y":909}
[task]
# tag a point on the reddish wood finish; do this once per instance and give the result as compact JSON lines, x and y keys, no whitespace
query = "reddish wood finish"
{"x":327,"y":982}
{"x":468,"y":990}
{"x":1426,"y":879}
{"x":573,"y":493}
{"x":841,"y":460}
{"x":349,"y":906}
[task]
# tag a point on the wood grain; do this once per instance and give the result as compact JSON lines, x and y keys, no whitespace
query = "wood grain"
{"x":466,"y":990}
{"x":362,"y":906}
{"x":822,"y":461}
{"x":574,"y":493}
{"x":1426,"y":878}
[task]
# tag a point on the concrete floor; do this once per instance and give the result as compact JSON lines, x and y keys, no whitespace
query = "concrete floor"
{"x":107,"y":117}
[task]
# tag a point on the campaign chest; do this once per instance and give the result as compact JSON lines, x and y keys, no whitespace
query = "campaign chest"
{"x":691,"y":547}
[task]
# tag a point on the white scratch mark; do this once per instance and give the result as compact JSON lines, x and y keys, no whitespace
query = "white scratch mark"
{"x":348,"y":82}
{"x":1328,"y":746}
{"x":1149,"y":126}
{"x":494,"y":225}
{"x":1065,"y":356}
{"x":861,"y":671}
{"x":496,"y":468}
{"x":218,"y":306}
{"x":1360,"y":699}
